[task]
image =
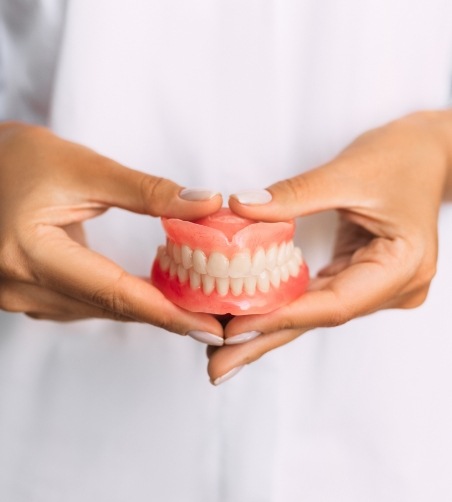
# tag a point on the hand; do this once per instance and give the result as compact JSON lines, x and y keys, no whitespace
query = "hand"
{"x":48,"y":187}
{"x":387,"y":187}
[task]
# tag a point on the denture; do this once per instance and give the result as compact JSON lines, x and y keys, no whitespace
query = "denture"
{"x":226,"y":264}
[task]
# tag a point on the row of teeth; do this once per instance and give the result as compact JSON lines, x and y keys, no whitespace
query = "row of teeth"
{"x":241,"y":273}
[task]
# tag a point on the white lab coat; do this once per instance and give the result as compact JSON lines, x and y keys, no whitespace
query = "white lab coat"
{"x":229,"y":95}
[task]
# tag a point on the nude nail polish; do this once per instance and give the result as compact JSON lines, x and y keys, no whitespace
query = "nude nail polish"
{"x":227,"y":376}
{"x":204,"y":337}
{"x":253,"y":197}
{"x":197,"y":194}
{"x":242,"y":337}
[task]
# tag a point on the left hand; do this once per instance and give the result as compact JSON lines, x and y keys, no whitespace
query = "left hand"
{"x":387,"y":187}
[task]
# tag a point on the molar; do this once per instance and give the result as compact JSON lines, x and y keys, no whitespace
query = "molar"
{"x":294,"y":268}
{"x":275,"y":277}
{"x":165,"y":262}
{"x":173,"y":269}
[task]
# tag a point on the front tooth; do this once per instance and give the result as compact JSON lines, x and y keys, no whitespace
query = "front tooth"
{"x":199,"y":262}
{"x":208,"y":284}
{"x":275,"y":277}
{"x":240,"y":265}
{"x":195,"y":279}
{"x":173,"y":269}
{"x":289,"y":251}
{"x":294,"y":268}
{"x":182,"y":273}
{"x":187,"y":256}
{"x":165,"y":262}
{"x":271,"y":256}
{"x":258,"y":264}
{"x":284,"y":272}
{"x":249,"y":284}
{"x":218,"y":265}
{"x":263,"y":282}
{"x":298,"y":255}
{"x":222,"y":285}
{"x":237,"y":286}
{"x":177,"y":254}
{"x":281,"y":254}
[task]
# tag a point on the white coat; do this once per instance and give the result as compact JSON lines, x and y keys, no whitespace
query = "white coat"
{"x":229,"y":95}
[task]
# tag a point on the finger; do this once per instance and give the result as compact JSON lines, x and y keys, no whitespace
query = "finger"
{"x":327,"y":187}
{"x":42,"y":303}
{"x":112,"y":184}
{"x":225,"y":361}
{"x":374,"y":276}
{"x":60,"y":264}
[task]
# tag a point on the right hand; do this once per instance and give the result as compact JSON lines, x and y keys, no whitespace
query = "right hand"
{"x":48,"y":187}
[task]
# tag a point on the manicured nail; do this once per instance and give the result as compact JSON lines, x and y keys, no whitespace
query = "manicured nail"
{"x":242,"y":338}
{"x":253,"y":197}
{"x":197,"y":194}
{"x":227,"y":376}
{"x":204,"y":337}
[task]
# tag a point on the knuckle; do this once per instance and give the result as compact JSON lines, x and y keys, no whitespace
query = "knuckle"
{"x":339,"y":316}
{"x":152,"y":194}
{"x":111,"y":298}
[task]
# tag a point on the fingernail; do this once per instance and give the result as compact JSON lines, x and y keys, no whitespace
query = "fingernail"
{"x":227,"y":376}
{"x":197,"y":194}
{"x":242,"y":338}
{"x":204,"y":337}
{"x":253,"y":197}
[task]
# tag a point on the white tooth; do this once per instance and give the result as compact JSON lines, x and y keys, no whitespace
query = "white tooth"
{"x":161,"y":250}
{"x":222,"y":285}
{"x":263,"y":281}
{"x":218,"y":265}
{"x":240,"y":265}
{"x":164,"y":261}
{"x":169,"y":247}
{"x":195,"y":279}
{"x":182,"y":273}
{"x":298,"y":255}
{"x":275,"y":277}
{"x":237,"y":286}
{"x":177,"y":254}
{"x":208,"y":284}
{"x":281,"y":254}
{"x":187,"y":256}
{"x":173,"y":268}
{"x":249,"y":284}
{"x":294,"y":268}
{"x":284,"y":272}
{"x":270,"y":257}
{"x":289,"y":250}
{"x":199,"y":261}
{"x":258,"y":264}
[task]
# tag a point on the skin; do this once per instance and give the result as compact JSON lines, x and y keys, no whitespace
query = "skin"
{"x":48,"y":187}
{"x":387,"y":186}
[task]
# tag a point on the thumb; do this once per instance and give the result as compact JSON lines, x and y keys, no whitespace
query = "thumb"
{"x":142,"y":193}
{"x":321,"y":189}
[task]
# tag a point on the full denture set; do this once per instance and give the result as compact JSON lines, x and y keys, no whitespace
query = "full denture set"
{"x":227,"y":264}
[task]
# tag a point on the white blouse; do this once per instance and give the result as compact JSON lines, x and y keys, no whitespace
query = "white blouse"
{"x":230,"y":95}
